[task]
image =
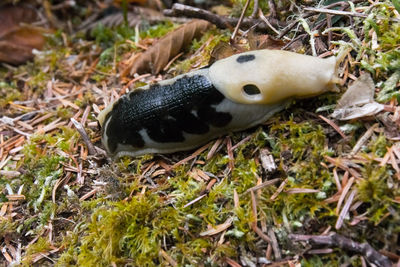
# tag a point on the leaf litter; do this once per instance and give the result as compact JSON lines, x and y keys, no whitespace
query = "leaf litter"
{"x":230,"y":202}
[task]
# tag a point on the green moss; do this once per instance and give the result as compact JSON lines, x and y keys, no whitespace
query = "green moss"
{"x":9,"y":93}
{"x":41,"y":245}
{"x":7,"y":226}
{"x":375,"y":192}
{"x":238,"y":6}
{"x":387,"y":56}
{"x":131,"y":229}
{"x":379,"y":146}
{"x":304,"y":147}
{"x":158,"y":30}
{"x":213,"y":37}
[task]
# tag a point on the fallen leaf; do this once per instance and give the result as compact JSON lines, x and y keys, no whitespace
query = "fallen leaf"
{"x":358,"y":100}
{"x":264,"y":41}
{"x":222,"y":50}
{"x":17,"y":38}
{"x":157,"y":56}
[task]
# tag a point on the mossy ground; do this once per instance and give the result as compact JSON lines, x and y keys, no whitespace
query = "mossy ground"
{"x":63,"y":207}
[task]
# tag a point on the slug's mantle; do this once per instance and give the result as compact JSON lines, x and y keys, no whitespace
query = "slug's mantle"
{"x":233,"y":94}
{"x":276,"y":74}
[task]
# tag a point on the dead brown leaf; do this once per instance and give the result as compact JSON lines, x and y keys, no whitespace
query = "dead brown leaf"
{"x":264,"y":41}
{"x":157,"y":56}
{"x":358,"y":100}
{"x":222,"y":50}
{"x":256,"y":42}
{"x":17,"y":38}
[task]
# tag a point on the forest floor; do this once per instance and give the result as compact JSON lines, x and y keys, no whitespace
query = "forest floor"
{"x":303,"y":189}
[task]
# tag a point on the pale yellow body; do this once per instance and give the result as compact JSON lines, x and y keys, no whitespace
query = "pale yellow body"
{"x":279,"y":75}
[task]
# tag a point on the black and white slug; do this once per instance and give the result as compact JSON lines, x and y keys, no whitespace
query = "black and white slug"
{"x":233,"y":94}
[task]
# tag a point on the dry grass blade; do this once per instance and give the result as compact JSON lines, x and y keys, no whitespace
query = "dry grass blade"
{"x":219,"y":228}
{"x":168,"y":258}
{"x":275,"y":245}
{"x":232,"y":263}
{"x":157,"y":57}
{"x":343,"y":194}
{"x":264,"y":184}
{"x":334,"y":126}
{"x":280,"y":189}
{"x":254,"y":226}
{"x":301,"y":191}
{"x":345,"y":209}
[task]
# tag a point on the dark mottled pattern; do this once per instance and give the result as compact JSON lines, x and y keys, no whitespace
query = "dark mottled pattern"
{"x":245,"y":58}
{"x":166,"y":112}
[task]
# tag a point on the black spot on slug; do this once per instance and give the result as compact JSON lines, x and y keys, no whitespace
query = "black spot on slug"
{"x":166,"y":131}
{"x":251,"y":89}
{"x":165,"y":113}
{"x":245,"y":58}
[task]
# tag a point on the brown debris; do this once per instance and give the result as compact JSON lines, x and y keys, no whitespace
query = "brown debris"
{"x":157,"y":56}
{"x":17,"y":38}
{"x":220,"y":21}
{"x":339,"y":241}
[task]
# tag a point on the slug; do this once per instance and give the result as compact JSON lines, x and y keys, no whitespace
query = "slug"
{"x":233,"y":94}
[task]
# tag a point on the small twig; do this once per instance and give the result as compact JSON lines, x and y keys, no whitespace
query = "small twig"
{"x":339,"y":12}
{"x":272,"y":8}
{"x":334,"y":126}
{"x":255,"y":9}
{"x":239,"y":22}
{"x":336,"y":240}
{"x":292,"y":25}
{"x":261,"y":15}
{"x":85,"y":137}
{"x":329,"y":24}
{"x":168,"y":258}
{"x":344,"y":4}
{"x":275,"y":245}
{"x":345,"y":209}
{"x":363,"y":139}
{"x":220,"y":21}
{"x":194,"y":12}
{"x":254,"y":226}
{"x":265,"y":184}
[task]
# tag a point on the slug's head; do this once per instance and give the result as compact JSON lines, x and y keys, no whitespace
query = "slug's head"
{"x":271,"y":76}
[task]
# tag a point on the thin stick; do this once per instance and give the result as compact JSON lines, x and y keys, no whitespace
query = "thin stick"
{"x":261,"y":15}
{"x":85,"y":137}
{"x":272,"y":8}
{"x":334,"y":126}
{"x":343,"y":13}
{"x":239,"y":22}
{"x":255,"y":9}
{"x":312,"y":13}
{"x":221,"y":22}
{"x":264,"y":184}
{"x":336,"y":240}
